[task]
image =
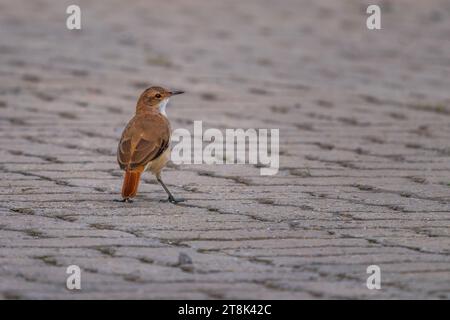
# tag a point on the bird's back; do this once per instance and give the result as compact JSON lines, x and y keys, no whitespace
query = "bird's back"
{"x":144,"y":139}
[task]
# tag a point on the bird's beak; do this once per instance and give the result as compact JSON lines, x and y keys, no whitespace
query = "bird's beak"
{"x":174,"y":92}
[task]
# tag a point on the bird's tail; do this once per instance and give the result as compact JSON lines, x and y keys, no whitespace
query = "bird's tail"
{"x":130,"y":183}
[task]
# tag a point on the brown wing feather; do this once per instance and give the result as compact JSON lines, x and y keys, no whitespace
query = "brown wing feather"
{"x":144,"y":139}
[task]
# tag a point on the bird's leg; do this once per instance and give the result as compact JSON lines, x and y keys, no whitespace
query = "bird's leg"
{"x":171,"y":198}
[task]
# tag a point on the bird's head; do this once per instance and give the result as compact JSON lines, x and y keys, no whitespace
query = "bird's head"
{"x":156,"y":97}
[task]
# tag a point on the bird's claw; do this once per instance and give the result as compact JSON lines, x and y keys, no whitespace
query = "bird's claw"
{"x":173,"y":200}
{"x":124,"y":200}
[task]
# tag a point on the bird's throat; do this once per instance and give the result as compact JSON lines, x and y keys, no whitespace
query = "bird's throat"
{"x":162,"y":107}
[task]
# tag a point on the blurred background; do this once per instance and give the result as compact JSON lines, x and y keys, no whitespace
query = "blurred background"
{"x":364,"y":155}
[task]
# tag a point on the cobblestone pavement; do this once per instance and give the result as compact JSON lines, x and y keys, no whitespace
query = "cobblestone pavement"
{"x":364,"y":158}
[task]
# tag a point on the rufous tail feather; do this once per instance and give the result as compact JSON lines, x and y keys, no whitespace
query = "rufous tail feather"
{"x":130,"y":183}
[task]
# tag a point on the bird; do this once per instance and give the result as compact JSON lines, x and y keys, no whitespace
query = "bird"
{"x":144,"y":144}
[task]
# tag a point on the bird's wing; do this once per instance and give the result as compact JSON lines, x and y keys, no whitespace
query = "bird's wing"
{"x":144,"y":139}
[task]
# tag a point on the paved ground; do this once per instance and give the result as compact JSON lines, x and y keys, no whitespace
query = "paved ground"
{"x":365,"y":151}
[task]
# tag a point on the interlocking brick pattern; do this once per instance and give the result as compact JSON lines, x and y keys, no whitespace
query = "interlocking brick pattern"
{"x":365,"y":151}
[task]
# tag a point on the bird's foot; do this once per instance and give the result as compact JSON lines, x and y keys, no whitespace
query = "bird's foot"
{"x":173,"y":200}
{"x":124,"y":200}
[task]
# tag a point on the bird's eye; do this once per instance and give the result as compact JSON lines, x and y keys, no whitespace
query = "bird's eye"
{"x":158,"y":95}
